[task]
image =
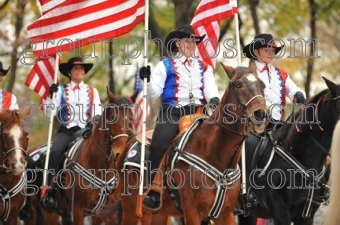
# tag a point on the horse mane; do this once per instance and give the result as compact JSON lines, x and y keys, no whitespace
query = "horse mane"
{"x":8,"y":116}
{"x":289,"y":131}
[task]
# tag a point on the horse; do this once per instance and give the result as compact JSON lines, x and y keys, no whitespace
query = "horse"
{"x":212,"y":148}
{"x":13,"y":146}
{"x":287,"y":179}
{"x":88,"y":172}
{"x":331,"y":215}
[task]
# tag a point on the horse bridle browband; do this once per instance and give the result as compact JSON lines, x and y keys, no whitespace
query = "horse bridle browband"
{"x":243,"y":108}
{"x":5,"y":153}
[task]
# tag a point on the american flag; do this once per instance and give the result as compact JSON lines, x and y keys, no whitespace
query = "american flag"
{"x":137,"y":110}
{"x":41,"y":77}
{"x":42,"y":73}
{"x":72,"y":19}
{"x":90,"y":21}
{"x":206,"y":20}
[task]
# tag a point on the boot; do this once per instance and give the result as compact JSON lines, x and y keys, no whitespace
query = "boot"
{"x":50,"y":200}
{"x":152,"y":199}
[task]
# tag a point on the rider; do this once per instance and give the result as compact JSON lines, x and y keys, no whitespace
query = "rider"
{"x":183,"y":81}
{"x":7,"y":99}
{"x":279,"y":85}
{"x":76,"y":104}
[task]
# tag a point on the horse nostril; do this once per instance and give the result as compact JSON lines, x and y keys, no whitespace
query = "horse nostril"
{"x":260,"y":115}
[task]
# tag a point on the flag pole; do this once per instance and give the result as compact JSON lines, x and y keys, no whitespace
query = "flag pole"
{"x":139,"y":206}
{"x":44,"y":186}
{"x":243,"y":153}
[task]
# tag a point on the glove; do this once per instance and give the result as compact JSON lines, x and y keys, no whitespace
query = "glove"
{"x":299,"y":98}
{"x":95,"y":119}
{"x":53,"y":89}
{"x":214,"y":102}
{"x":145,"y":72}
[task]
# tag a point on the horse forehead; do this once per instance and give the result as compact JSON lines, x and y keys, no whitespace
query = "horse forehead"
{"x":251,"y":78}
{"x":15,"y":132}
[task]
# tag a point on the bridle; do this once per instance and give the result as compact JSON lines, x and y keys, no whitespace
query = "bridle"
{"x":243,"y":107}
{"x":6,"y":153}
{"x":110,"y":142}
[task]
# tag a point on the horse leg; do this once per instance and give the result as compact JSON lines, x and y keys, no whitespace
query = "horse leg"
{"x":246,"y":220}
{"x":225,"y":218}
{"x":78,"y":215}
{"x":281,"y":217}
{"x":308,"y":221}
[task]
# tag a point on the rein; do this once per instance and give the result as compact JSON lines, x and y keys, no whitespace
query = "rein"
{"x":111,"y":143}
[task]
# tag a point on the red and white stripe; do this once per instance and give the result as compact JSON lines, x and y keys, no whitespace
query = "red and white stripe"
{"x":47,"y":5}
{"x":206,"y":20}
{"x":41,"y":77}
{"x":91,"y":21}
{"x":138,"y":112}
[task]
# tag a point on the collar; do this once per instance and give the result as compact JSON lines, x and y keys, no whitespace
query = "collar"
{"x":182,"y":58}
{"x":81,"y":85}
{"x":260,"y":65}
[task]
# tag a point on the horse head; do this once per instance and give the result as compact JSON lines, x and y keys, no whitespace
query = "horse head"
{"x":334,"y":93}
{"x":118,"y":117}
{"x":13,"y":141}
{"x":245,"y":94}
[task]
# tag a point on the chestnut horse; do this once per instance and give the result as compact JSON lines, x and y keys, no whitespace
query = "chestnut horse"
{"x":213,"y":150}
{"x":88,"y":175}
{"x":287,"y":182}
{"x":13,"y":146}
{"x":332,"y":213}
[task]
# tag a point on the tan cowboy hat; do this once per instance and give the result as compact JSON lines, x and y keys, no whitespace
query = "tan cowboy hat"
{"x":185,"y":31}
{"x":3,"y":70}
{"x":64,"y":68}
{"x":260,"y":41}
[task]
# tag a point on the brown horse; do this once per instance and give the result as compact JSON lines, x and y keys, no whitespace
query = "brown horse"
{"x":203,"y":181}
{"x":13,"y":146}
{"x":88,"y":175}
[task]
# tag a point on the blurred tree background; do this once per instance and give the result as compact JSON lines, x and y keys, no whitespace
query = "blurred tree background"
{"x":314,"y":20}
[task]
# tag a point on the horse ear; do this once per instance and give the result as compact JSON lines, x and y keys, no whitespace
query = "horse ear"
{"x":133,"y":97}
{"x":229,"y":70}
{"x":331,"y":85}
{"x":28,"y":110}
{"x":252,"y":65}
{"x":110,"y":95}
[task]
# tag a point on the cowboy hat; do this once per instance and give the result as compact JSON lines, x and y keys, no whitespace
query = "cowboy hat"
{"x":64,"y":68}
{"x":185,"y":31}
{"x":260,"y":41}
{"x":3,"y":70}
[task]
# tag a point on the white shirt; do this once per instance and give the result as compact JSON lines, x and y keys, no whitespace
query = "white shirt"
{"x":78,"y":100}
{"x":188,"y":80}
{"x":273,"y":90}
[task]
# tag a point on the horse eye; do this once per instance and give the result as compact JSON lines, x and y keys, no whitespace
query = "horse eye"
{"x":238,"y":84}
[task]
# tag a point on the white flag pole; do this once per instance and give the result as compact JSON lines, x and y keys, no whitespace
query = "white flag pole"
{"x":45,"y":184}
{"x":139,"y":208}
